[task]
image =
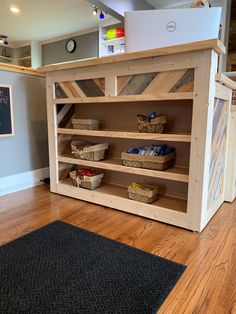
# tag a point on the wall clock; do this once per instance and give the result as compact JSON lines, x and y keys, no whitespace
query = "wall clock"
{"x":70,"y":45}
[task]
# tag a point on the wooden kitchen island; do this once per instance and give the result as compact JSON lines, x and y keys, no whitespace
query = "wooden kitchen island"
{"x":179,"y":81}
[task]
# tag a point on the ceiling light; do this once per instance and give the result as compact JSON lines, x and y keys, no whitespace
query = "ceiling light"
{"x":95,"y":11}
{"x":14,"y":10}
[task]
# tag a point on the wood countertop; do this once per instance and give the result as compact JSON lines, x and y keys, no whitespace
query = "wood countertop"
{"x":19,"y":69}
{"x":214,"y":44}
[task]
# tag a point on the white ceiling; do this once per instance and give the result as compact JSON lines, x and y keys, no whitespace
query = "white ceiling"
{"x":158,"y":4}
{"x":45,"y":19}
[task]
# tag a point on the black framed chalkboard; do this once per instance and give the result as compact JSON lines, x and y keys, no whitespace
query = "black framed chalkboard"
{"x":6,"y":112}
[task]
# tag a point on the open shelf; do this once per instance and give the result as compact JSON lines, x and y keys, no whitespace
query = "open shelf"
{"x":173,"y":173}
{"x":7,"y":58}
{"x":24,"y":58}
{"x":117,"y":197}
{"x":115,"y":41}
{"x":127,"y":98}
{"x":128,"y":135}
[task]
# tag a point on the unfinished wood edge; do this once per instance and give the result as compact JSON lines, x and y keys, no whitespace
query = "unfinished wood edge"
{"x":223,"y":92}
{"x":220,"y":47}
{"x":20,"y":69}
{"x":223,"y":79}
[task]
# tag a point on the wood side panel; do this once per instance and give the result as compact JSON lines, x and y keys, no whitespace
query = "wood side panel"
{"x":217,"y":152}
{"x":230,"y":182}
{"x":203,"y":107}
{"x":52,"y":134}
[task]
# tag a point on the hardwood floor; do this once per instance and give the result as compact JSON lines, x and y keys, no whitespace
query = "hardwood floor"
{"x":207,"y":286}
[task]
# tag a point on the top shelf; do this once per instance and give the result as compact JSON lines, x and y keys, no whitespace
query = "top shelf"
{"x":7,"y":58}
{"x":115,"y":41}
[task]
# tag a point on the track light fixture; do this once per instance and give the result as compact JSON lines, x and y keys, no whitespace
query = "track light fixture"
{"x":102,"y":15}
{"x":95,"y":11}
{"x":3,"y":40}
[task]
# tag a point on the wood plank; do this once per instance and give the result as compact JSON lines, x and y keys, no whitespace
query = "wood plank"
{"x":100,"y":83}
{"x":185,"y":84}
{"x":52,"y":134}
{"x":214,"y":44}
{"x":137,"y":84}
{"x":122,"y":81}
{"x":164,"y":81}
{"x":20,"y":69}
{"x":147,"y":65}
{"x":223,"y":79}
{"x":129,"y":135}
{"x":127,"y":98}
{"x":223,"y":92}
{"x":63,"y":112}
{"x":173,"y":173}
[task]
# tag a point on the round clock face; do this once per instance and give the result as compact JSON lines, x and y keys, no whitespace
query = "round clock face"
{"x":70,"y":45}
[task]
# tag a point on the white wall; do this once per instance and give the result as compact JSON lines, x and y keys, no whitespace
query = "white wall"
{"x":24,"y":157}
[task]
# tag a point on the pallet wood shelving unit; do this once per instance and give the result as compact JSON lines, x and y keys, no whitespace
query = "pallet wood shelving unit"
{"x":179,"y":81}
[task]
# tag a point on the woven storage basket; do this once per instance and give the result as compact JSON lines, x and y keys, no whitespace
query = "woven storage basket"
{"x":92,"y":152}
{"x":157,"y":124}
{"x":148,"y":162}
{"x":73,"y":177}
{"x":142,"y":195}
{"x":86,"y":124}
{"x":86,"y":182}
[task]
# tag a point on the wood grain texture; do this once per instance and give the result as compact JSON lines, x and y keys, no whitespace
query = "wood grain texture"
{"x":19,"y":69}
{"x":208,"y":284}
{"x":223,"y":79}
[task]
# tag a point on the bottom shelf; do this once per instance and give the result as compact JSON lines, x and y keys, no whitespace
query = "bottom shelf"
{"x":167,"y":209}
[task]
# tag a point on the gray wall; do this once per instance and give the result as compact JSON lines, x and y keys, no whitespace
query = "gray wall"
{"x":28,"y":149}
{"x":87,"y":47}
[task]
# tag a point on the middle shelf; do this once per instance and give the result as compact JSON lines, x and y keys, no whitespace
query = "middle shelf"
{"x":128,"y":135}
{"x":173,"y":173}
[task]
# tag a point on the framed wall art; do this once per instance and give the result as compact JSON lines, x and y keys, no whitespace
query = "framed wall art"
{"x":6,"y":111}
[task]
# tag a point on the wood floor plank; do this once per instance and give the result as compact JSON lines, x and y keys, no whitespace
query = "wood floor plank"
{"x":209,"y":282}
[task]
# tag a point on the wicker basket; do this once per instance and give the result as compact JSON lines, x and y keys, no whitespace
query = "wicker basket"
{"x":144,"y":195}
{"x":148,"y":162}
{"x":157,"y":124}
{"x":89,"y":152}
{"x":86,"y":182}
{"x":86,"y":124}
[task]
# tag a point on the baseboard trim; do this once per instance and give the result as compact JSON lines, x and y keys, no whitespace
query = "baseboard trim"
{"x":22,"y":181}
